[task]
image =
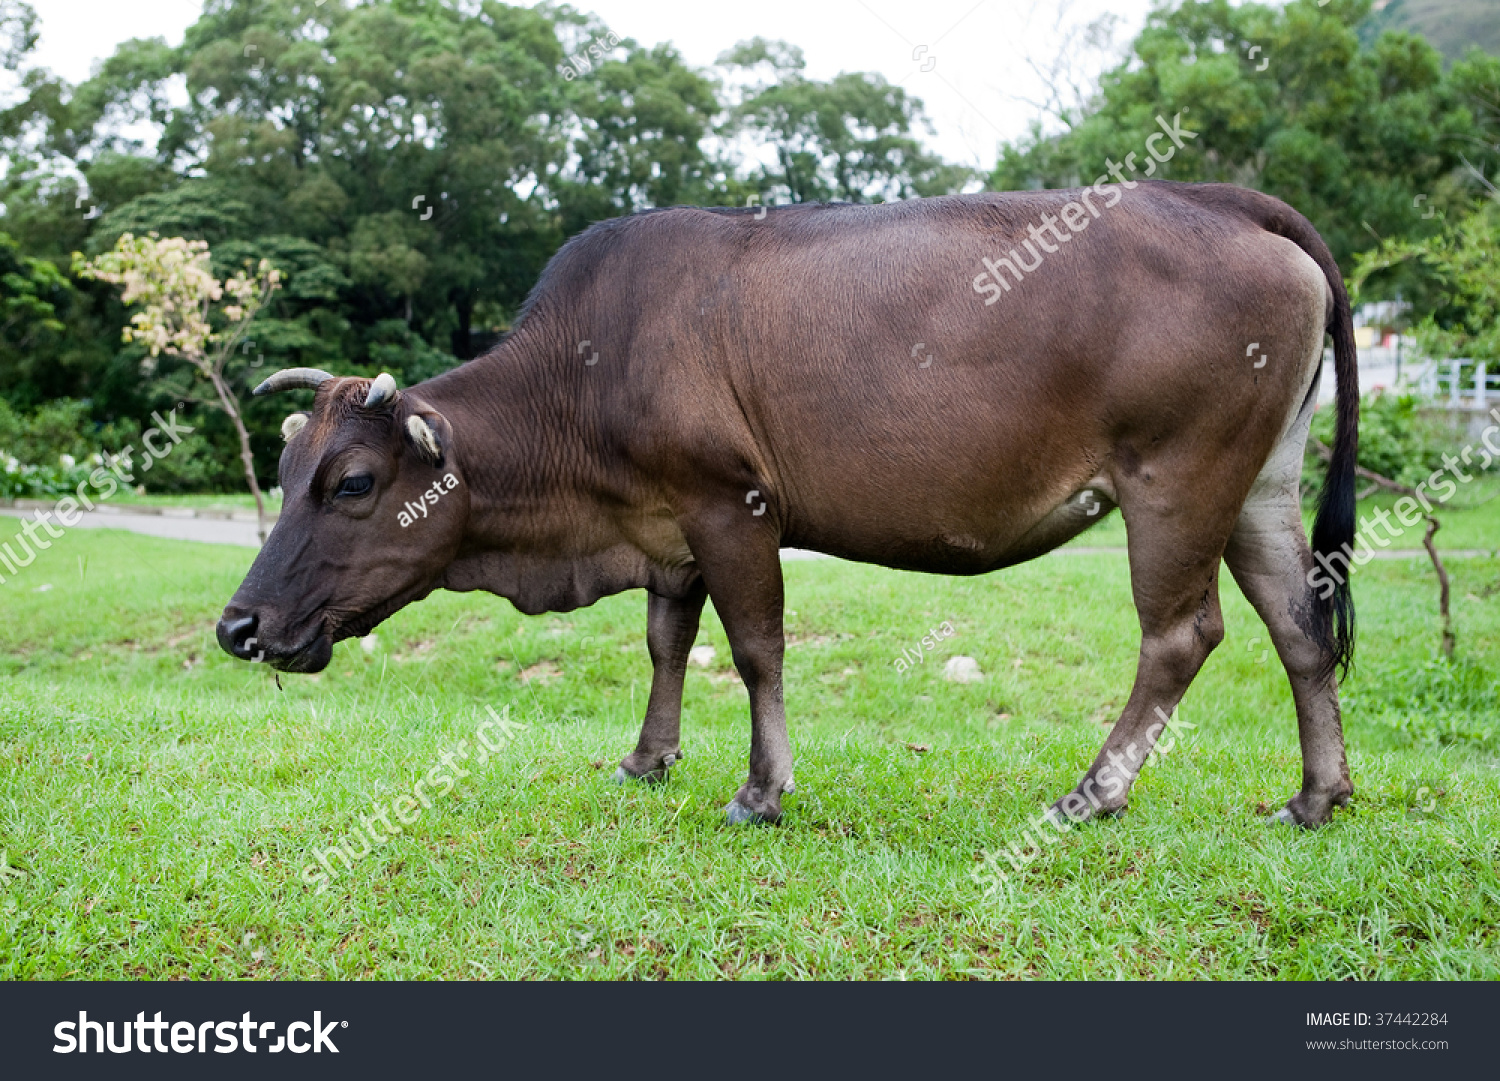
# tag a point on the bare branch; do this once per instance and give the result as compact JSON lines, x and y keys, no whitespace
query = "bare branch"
{"x":1449,"y":641}
{"x":1478,"y":175}
{"x":1326,"y":453}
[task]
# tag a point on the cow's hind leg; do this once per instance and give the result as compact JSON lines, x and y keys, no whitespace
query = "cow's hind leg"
{"x":1270,"y":558}
{"x":1175,"y":555}
{"x":671,"y":627}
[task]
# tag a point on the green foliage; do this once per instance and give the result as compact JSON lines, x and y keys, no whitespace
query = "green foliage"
{"x":393,"y":347}
{"x":1350,"y":136}
{"x":1395,"y":440}
{"x":643,"y":119}
{"x":848,"y":139}
{"x":195,"y":465}
{"x":18,"y":33}
{"x":49,"y":481}
{"x":55,"y":429}
{"x":206,"y":210}
{"x":34,"y":294}
{"x":1460,"y":268}
{"x":36,"y":448}
{"x":45,"y":453}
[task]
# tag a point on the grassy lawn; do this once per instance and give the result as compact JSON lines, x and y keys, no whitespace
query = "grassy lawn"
{"x":161,"y":802}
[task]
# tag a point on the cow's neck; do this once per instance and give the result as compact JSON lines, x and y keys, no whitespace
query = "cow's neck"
{"x":543,"y":527}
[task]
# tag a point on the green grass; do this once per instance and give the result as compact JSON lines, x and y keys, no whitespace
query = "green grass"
{"x":161,"y":801}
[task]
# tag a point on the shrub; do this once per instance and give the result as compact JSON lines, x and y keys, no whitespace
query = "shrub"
{"x":10,"y":429}
{"x":193,"y":466}
{"x":1395,"y":440}
{"x":45,"y":454}
{"x":58,"y":478}
{"x":56,"y":428}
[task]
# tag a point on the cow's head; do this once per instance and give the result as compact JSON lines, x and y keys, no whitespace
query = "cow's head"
{"x":373,"y":509}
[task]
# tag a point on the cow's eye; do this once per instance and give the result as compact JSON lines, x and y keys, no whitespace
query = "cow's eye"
{"x":355,"y":486}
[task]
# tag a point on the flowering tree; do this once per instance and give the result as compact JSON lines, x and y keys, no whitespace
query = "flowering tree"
{"x":172,"y":281}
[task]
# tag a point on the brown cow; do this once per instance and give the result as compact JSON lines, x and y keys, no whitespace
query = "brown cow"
{"x":689,"y":390}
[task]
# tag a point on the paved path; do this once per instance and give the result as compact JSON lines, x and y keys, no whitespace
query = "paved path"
{"x":223,"y":531}
{"x":206,"y":530}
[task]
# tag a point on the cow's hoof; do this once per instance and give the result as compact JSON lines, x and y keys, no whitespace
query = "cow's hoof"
{"x":1311,"y":811}
{"x":757,"y":803}
{"x":739,"y":815}
{"x":647,"y":771}
{"x":1288,"y":816}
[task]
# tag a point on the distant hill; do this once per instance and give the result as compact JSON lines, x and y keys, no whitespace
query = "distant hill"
{"x":1453,"y":26}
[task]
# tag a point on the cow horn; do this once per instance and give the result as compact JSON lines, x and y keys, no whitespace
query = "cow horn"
{"x":382,"y":391}
{"x":294,"y":379}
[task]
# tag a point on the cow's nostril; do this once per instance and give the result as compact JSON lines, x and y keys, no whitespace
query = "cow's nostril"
{"x":237,"y":637}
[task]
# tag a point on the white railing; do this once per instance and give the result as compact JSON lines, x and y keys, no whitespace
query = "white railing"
{"x":1447,"y":384}
{"x":1458,"y":384}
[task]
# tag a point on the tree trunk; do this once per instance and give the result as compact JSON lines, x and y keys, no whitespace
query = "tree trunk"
{"x":226,"y":400}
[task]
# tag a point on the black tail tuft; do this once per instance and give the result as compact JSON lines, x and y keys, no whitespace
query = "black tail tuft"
{"x":1333,"y":528}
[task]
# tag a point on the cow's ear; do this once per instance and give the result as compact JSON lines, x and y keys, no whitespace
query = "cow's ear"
{"x":431,"y":435}
{"x":294,"y":424}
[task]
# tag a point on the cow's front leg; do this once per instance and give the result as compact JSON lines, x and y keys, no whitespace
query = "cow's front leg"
{"x":671,"y":627}
{"x":740,"y":559}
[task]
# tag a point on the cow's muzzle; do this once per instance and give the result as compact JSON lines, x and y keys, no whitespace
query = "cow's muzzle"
{"x":237,"y":637}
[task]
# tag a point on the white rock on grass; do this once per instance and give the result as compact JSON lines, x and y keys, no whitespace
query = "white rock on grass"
{"x":962,"y":670}
{"x":702,"y":656}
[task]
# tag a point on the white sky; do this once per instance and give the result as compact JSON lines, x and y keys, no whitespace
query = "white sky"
{"x":976,"y":84}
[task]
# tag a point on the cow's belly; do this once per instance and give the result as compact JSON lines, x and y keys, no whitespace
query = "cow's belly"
{"x":947,"y":536}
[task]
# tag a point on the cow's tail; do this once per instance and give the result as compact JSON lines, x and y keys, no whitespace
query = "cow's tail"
{"x":1333,"y":527}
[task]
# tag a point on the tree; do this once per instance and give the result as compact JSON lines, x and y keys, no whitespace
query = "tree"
{"x":849,"y":138}
{"x":1364,"y":141}
{"x":18,"y":34}
{"x":1462,"y":266}
{"x":641,"y":122}
{"x":172,"y":281}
